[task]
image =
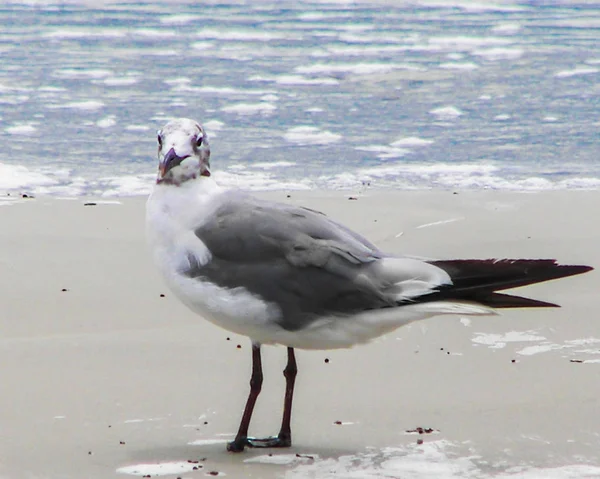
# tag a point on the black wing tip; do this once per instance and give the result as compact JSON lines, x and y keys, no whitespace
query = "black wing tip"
{"x":573,"y":269}
{"x":550,"y":264}
{"x":502,"y":300}
{"x":581,"y":268}
{"x":480,"y":279}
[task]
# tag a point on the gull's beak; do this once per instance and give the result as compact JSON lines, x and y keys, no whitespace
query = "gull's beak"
{"x":170,"y":161}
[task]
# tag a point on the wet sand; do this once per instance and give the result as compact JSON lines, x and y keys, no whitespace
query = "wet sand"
{"x":107,"y":377}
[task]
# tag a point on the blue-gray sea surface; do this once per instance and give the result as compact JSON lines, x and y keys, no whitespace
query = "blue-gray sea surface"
{"x":413,"y":94}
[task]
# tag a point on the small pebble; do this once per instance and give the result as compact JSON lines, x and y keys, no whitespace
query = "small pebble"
{"x":121,"y":442}
{"x":162,"y":295}
{"x":214,"y":473}
{"x":326,"y":360}
{"x":239,"y":346}
{"x":513,"y":360}
{"x":419,"y":441}
{"x":64,"y":289}
{"x":337,"y":423}
{"x":352,"y":198}
{"x":89,"y":204}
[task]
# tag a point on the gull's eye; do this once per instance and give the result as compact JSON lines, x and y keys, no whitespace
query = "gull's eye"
{"x":199,"y":140}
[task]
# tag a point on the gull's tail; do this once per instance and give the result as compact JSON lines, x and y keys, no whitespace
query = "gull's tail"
{"x":479,"y":280}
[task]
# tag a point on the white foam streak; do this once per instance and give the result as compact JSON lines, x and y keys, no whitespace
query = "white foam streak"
{"x":106,"y":122}
{"x":258,"y":181}
{"x":465,"y":66}
{"x":363,"y":50}
{"x":153,"y":33}
{"x":411,"y":141}
{"x":495,"y":54}
{"x":78,"y":33}
{"x":353,"y":68}
{"x":120,"y":81}
{"x":271,"y":165}
{"x":467,"y":43}
{"x":310,"y":135}
{"x":446,"y":112}
{"x":294,"y":80}
{"x":88,"y":105}
{"x":81,"y":73}
{"x":213,"y":126}
{"x":21,"y":129}
{"x":137,"y":127}
{"x":576,"y":72}
{"x":17,"y":176}
{"x":244,"y":35}
{"x":179,"y":19}
{"x":250,"y":108}
{"x":507,"y":28}
{"x":475,"y":6}
{"x":384,"y":151}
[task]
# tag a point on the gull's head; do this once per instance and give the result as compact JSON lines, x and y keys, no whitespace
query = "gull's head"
{"x":183,"y":152}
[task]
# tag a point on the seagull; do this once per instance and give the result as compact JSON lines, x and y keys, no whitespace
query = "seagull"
{"x":291,"y":276}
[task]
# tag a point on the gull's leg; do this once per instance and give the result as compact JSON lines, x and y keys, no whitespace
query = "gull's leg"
{"x":290,"y":371}
{"x":284,"y":438}
{"x":256,"y":380}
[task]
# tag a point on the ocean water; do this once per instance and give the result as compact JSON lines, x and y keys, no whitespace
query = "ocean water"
{"x":450,"y":94}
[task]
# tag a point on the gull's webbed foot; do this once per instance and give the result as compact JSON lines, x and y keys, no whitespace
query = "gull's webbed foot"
{"x":273,"y":441}
{"x":240,"y":443}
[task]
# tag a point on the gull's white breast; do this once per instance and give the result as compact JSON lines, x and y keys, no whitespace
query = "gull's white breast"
{"x":173,"y":213}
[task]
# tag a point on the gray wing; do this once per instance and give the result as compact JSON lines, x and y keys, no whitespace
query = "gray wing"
{"x":293,"y":257}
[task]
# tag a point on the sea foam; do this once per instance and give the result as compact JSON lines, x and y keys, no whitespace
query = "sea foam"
{"x":311,"y":135}
{"x":250,"y":108}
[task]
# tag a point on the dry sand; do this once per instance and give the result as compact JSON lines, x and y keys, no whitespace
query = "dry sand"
{"x":108,"y":374}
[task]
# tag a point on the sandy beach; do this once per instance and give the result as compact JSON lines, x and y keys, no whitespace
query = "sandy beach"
{"x":104,"y":377}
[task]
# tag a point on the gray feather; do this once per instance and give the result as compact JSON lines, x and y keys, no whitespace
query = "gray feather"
{"x":293,"y":257}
